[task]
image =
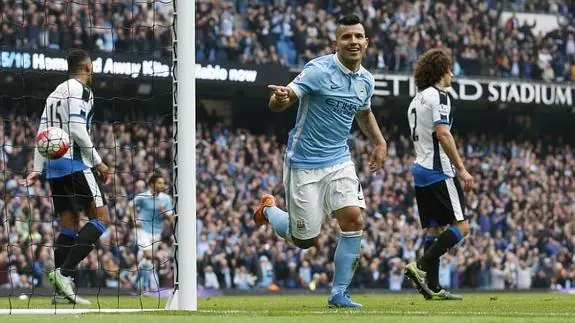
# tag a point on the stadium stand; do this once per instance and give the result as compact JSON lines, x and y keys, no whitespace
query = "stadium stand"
{"x":399,"y":32}
{"x":509,"y":247}
{"x":124,"y":26}
{"x":521,"y":238}
{"x":293,"y":32}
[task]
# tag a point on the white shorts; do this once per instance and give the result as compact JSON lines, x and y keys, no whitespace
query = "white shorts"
{"x":312,"y":194}
{"x":147,"y":240}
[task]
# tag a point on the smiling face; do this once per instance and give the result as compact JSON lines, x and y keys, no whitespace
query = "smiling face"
{"x":351,"y":43}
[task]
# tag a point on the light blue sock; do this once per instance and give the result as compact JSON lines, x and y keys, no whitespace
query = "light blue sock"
{"x":279,"y":220}
{"x":346,"y":260}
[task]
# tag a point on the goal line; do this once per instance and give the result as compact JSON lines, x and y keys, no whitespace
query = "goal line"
{"x":69,"y":311}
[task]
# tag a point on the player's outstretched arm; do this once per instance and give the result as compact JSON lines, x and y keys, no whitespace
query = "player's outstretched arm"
{"x":38,"y":158}
{"x":368,"y":125}
{"x":38,"y":165}
{"x":307,"y":82}
{"x":447,"y":142}
{"x":282,"y":98}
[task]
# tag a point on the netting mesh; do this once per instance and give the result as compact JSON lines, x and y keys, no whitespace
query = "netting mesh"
{"x":130,"y":42}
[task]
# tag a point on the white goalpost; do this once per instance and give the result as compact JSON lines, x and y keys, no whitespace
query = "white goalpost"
{"x":184,"y":294}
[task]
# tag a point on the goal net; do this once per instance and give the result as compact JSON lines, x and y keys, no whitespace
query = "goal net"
{"x":134,"y":128}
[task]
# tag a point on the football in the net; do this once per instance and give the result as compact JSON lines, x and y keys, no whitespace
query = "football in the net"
{"x":52,"y":142}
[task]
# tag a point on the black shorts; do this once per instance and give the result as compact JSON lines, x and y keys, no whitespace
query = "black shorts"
{"x":441,"y":203}
{"x":75,"y":192}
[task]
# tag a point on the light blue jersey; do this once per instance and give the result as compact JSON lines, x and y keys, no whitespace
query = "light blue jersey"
{"x":329,"y":97}
{"x":151,"y":210}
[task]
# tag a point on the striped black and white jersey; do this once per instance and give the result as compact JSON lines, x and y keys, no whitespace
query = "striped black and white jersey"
{"x":428,"y":108}
{"x":69,"y":107}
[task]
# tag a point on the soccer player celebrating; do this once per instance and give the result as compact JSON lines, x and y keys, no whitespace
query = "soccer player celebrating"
{"x":319,"y":175}
{"x":439,"y":194}
{"x":75,"y":179}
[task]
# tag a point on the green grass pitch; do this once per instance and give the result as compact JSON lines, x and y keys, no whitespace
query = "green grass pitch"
{"x":396,"y":308}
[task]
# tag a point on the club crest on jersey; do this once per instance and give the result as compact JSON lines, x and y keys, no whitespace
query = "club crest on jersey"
{"x":362,"y":88}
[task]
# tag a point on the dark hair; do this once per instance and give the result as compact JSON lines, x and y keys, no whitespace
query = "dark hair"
{"x":349,"y":20}
{"x":76,"y":58}
{"x":430,"y":68}
{"x":154,"y":178}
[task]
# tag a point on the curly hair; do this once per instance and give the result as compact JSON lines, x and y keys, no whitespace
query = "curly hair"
{"x":430,"y":68}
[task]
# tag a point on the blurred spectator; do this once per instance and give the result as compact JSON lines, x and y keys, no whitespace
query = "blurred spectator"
{"x":138,"y":27}
{"x":399,"y":31}
{"x":291,"y":34}
{"x":210,"y":278}
{"x":243,"y":279}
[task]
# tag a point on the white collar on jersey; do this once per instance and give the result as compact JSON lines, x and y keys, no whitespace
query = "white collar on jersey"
{"x":344,"y":69}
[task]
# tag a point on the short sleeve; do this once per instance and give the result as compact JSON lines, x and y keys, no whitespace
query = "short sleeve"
{"x":307,"y":81}
{"x":138,"y":201}
{"x":78,"y":102}
{"x":441,"y":108}
{"x":168,"y":202}
{"x":370,"y":89}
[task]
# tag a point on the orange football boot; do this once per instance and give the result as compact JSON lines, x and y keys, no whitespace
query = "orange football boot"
{"x":266,"y":200}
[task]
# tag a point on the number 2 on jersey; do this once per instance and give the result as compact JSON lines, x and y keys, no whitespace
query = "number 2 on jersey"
{"x":55,"y":114}
{"x":414,"y":136}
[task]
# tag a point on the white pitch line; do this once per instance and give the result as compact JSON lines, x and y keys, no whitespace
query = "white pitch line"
{"x":70,"y":311}
{"x":41,"y":311}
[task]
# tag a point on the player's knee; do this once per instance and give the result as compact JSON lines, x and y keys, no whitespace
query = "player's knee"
{"x":435,"y":231}
{"x":147,"y":254}
{"x":68,"y":220}
{"x":463,"y":227}
{"x":350,"y":219}
{"x":100,"y":213}
{"x":67,"y":224}
{"x":353,"y":224}
{"x":305,"y":244}
{"x":104,"y":216}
